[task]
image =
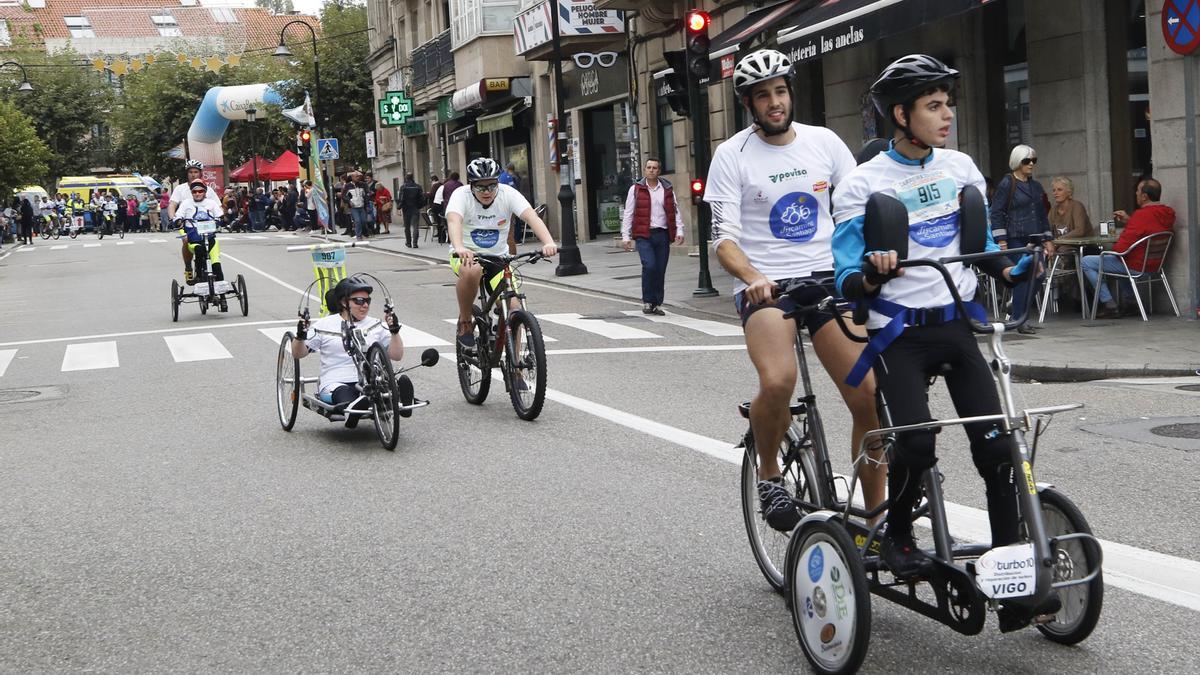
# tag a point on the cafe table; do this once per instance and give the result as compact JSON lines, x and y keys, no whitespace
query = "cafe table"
{"x":1076,"y":244}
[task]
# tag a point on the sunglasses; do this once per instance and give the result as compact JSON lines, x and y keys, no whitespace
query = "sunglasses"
{"x":199,"y":192}
{"x":587,"y":59}
{"x":1029,"y":160}
{"x":490,"y":187}
{"x":361,"y":302}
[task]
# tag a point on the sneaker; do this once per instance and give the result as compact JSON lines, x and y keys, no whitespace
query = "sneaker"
{"x":189,"y":277}
{"x":901,"y":555}
{"x":1013,"y":616}
{"x":1026,"y":329}
{"x":521,"y":384}
{"x":467,"y":340}
{"x":647,"y":308}
{"x":1108,"y":311}
{"x":658,"y":311}
{"x":405,"y":388}
{"x":352,"y":421}
{"x":778,"y":507}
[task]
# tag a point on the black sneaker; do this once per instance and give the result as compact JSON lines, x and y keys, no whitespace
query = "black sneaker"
{"x":647,"y":308}
{"x":1013,"y":616}
{"x":467,"y":340}
{"x":405,"y":388}
{"x":901,"y":555}
{"x":658,"y":310}
{"x":778,"y":507}
{"x":351,"y":421}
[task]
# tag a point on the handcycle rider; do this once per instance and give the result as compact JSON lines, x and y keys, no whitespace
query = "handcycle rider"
{"x":913,"y":321}
{"x":181,"y":195}
{"x":479,"y":221}
{"x":338,"y":379}
{"x":764,"y":250}
{"x":200,"y":207}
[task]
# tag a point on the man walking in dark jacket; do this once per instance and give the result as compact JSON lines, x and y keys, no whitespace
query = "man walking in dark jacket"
{"x":411,"y":198}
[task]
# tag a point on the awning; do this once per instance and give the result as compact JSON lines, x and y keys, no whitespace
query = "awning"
{"x":499,"y":121}
{"x":284,"y":167}
{"x":245,"y":172}
{"x":751,"y":25}
{"x":834,"y":25}
{"x":488,"y":90}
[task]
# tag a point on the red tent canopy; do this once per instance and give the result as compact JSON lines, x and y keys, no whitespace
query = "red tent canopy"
{"x":284,"y":167}
{"x":245,"y":172}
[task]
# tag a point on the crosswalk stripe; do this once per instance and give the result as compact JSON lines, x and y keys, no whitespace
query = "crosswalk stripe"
{"x":90,"y":356}
{"x":92,"y":245}
{"x":411,"y":336}
{"x":157,"y":241}
{"x":714,"y":328}
{"x":126,"y":243}
{"x":606,"y":329}
{"x":255,"y":236}
{"x":275,"y":333}
{"x":6,"y":357}
{"x":196,"y":347}
{"x":545,"y":338}
{"x":28,"y":248}
{"x":58,"y":248}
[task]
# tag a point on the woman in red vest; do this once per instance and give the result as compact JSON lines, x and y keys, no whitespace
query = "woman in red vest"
{"x":651,"y":218}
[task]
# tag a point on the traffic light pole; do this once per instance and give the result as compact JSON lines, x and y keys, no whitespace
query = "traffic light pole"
{"x":570,"y":262}
{"x":700,"y":153}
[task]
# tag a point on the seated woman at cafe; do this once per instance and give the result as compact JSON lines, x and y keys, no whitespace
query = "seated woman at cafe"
{"x":1068,"y":217}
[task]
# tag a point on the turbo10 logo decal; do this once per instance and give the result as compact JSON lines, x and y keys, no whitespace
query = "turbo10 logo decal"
{"x":816,"y":564}
{"x":794,"y":217}
{"x":485,"y":238}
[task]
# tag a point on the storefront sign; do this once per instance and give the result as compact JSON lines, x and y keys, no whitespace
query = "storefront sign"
{"x":464,"y":134}
{"x":531,"y":28}
{"x":394,"y":109}
{"x":370,"y":139}
{"x":1181,"y":25}
{"x":583,"y":86}
{"x":446,"y":112}
{"x":496,"y":84}
{"x":727,"y":64}
{"x":416,"y":128}
{"x":819,"y":31}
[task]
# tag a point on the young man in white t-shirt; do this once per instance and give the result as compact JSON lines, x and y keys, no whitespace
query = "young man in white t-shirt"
{"x":200,"y":208}
{"x":479,"y":219}
{"x":181,"y":195}
{"x":769,"y":187}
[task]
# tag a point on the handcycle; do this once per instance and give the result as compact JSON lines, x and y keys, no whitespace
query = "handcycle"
{"x":828,"y":566}
{"x":207,"y":290}
{"x":507,"y":338}
{"x":75,"y":222}
{"x":384,"y":394}
{"x":109,"y":219}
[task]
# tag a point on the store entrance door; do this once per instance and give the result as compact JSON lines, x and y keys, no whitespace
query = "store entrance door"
{"x":608,"y":169}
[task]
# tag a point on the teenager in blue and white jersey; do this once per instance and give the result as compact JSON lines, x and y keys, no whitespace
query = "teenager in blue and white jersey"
{"x":913,"y":93}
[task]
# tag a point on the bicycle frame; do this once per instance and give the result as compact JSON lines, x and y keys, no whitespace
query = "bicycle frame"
{"x":499,"y":299}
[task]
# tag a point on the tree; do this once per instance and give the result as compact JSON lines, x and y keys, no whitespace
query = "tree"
{"x":24,"y":158}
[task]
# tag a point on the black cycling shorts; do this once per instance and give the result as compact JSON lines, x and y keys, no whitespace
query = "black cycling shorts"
{"x":814,"y":321}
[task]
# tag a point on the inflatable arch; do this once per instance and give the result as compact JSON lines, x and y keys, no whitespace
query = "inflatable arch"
{"x":220,"y":106}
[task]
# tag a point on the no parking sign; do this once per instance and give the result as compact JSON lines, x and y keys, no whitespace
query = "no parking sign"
{"x":1181,"y":25}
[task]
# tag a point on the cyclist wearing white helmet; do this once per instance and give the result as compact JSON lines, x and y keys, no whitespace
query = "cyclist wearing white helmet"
{"x":769,"y":187}
{"x":913,"y":93}
{"x":181,"y":195}
{"x":479,"y":220}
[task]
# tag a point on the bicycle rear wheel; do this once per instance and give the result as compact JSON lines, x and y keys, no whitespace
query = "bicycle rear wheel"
{"x":56,"y":233}
{"x":243,"y":298}
{"x":384,"y":398}
{"x":1074,"y":558}
{"x":526,"y":366}
{"x":798,"y":467}
{"x":287,"y":383}
{"x":474,"y":369}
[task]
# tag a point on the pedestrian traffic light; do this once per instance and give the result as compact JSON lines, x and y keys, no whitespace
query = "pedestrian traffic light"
{"x":697,"y":190}
{"x":673,"y":86}
{"x":696,"y":25}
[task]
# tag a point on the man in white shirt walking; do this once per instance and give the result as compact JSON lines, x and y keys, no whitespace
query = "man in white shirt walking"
{"x":651,"y":220}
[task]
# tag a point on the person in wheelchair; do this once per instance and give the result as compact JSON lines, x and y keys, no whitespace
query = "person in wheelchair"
{"x":348,"y":301}
{"x":915,"y":331}
{"x":200,"y":208}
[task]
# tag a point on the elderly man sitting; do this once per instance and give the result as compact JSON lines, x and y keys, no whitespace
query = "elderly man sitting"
{"x":1149,"y":218}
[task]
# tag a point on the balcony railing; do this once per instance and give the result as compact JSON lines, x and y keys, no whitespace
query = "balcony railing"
{"x":432,"y":61}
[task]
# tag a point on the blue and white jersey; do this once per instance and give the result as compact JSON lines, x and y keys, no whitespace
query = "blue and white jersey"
{"x":485,"y":228}
{"x":930,"y":193}
{"x":208,"y":209}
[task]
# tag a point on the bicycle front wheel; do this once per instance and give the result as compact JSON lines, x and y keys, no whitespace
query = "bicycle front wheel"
{"x":525,"y":365}
{"x":798,"y":468}
{"x":384,"y":398}
{"x":475,"y":367}
{"x":287,"y":382}
{"x":1073,"y":559}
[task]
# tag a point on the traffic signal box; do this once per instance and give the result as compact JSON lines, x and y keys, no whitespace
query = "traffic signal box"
{"x":696,"y":24}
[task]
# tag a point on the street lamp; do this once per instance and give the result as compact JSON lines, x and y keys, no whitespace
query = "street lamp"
{"x":570,"y":262}
{"x":251,"y":115}
{"x":283,"y":52}
{"x":24,"y":86}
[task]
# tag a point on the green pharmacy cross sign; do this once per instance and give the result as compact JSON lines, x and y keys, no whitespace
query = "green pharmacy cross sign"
{"x":395,"y":108}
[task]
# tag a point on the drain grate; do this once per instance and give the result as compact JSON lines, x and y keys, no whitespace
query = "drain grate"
{"x":1188,"y":387}
{"x":18,"y":395}
{"x":1189,"y":430}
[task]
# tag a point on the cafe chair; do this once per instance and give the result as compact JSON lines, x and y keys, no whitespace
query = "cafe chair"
{"x":1151,"y":270}
{"x":1054,"y":277}
{"x":430,"y":223}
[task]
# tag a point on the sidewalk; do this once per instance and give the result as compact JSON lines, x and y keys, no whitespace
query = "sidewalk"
{"x":1066,"y":349}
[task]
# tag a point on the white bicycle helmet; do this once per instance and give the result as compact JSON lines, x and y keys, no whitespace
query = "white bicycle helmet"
{"x":760,"y":66}
{"x":482,"y":168}
{"x":193,"y":164}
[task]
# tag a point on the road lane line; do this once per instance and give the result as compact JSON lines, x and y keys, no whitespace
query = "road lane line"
{"x":254,"y":236}
{"x":126,"y":243}
{"x":196,"y":347}
{"x":545,"y":338}
{"x":30,"y":248}
{"x":140,"y":332}
{"x":714,"y":328}
{"x":90,"y":356}
{"x":59,"y":247}
{"x":272,"y":277}
{"x":6,"y":357}
{"x":636,"y":350}
{"x":156,"y":241}
{"x":613,"y":331}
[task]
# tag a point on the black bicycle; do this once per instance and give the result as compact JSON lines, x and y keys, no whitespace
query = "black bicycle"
{"x":505,"y":337}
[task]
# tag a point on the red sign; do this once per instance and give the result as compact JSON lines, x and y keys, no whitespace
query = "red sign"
{"x":215,"y":176}
{"x":1181,"y":25}
{"x":727,"y":63}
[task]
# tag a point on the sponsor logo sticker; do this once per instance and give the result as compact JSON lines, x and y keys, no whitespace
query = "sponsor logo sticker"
{"x":794,"y":217}
{"x":827,"y":633}
{"x":820,"y":186}
{"x":819,"y":604}
{"x":816,"y":564}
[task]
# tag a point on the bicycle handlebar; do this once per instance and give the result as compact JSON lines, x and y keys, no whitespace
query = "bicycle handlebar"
{"x":507,"y":259}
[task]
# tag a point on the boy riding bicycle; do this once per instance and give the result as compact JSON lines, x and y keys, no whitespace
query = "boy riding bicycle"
{"x":200,"y":209}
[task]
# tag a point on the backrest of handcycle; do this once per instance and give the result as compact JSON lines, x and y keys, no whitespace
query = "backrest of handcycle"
{"x":329,"y":267}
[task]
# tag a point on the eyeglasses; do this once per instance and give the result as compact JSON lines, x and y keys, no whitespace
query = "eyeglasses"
{"x":490,"y":187}
{"x":199,"y":191}
{"x":1029,"y":160}
{"x":586,"y":59}
{"x":361,"y":302}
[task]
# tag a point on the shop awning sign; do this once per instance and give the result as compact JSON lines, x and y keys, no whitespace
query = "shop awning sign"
{"x":532,"y":28}
{"x":395,"y":108}
{"x":1181,"y":25}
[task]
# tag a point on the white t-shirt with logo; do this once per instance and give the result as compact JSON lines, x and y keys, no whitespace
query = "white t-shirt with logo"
{"x":209,"y":209}
{"x":930,"y":194}
{"x":773,"y":201}
{"x":485,"y":230}
{"x":325,"y":338}
{"x":182,"y":194}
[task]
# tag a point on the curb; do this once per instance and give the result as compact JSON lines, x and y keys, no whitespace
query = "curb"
{"x":1058,"y":373}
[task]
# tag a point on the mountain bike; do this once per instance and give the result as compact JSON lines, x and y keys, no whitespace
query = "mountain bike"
{"x":50,"y":227}
{"x":505,"y":337}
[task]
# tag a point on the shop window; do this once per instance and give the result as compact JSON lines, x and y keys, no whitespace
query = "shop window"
{"x":665,"y":136}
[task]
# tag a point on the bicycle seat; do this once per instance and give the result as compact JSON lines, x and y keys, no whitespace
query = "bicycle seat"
{"x":794,"y":409}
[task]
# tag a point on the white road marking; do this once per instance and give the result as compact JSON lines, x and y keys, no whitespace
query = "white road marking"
{"x":90,"y":356}
{"x":196,"y":347}
{"x":715,"y":328}
{"x":255,"y":236}
{"x":607,"y":329}
{"x":140,"y":332}
{"x":126,"y":243}
{"x":58,"y":248}
{"x":587,"y":294}
{"x":92,"y":245}
{"x":157,"y":241}
{"x":454,"y":322}
{"x":636,"y":350}
{"x":275,"y":334}
{"x":6,"y":357}
{"x":31,"y":247}
{"x":418,"y":338}
{"x":272,"y":277}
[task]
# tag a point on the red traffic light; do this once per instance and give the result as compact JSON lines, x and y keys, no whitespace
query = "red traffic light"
{"x":698,"y":21}
{"x":305,"y":135}
{"x":697,"y":186}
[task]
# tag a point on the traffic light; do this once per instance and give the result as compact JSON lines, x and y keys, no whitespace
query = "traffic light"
{"x":697,"y":190}
{"x":696,"y":25}
{"x":673,"y":86}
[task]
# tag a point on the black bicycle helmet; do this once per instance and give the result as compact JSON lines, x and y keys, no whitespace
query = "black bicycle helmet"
{"x":345,"y":288}
{"x":908,"y":77}
{"x":482,"y":168}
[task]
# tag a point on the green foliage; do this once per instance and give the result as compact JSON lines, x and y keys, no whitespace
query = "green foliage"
{"x":23,"y":156}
